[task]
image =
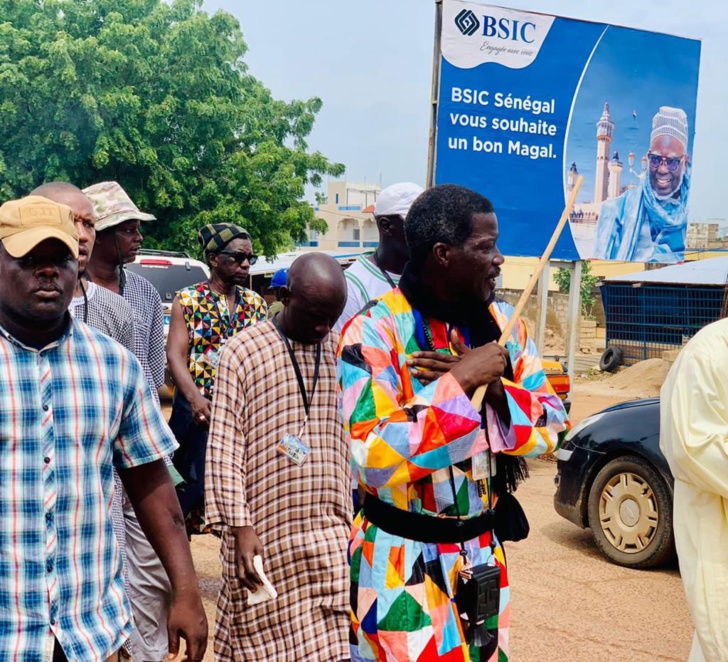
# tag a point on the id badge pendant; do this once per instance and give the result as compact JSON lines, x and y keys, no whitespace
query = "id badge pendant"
{"x":294,"y":449}
{"x":480,"y":467}
{"x":212,"y":358}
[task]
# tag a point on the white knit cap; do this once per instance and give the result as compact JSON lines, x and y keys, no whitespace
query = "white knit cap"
{"x":395,"y":200}
{"x":671,"y":122}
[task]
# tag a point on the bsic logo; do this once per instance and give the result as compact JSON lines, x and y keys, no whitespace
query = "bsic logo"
{"x":467,"y":22}
{"x":504,"y":28}
{"x":471,"y":37}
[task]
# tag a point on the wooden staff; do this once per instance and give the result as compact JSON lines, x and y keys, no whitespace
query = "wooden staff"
{"x":479,"y":394}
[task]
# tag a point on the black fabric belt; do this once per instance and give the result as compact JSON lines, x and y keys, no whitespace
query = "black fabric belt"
{"x":425,"y":528}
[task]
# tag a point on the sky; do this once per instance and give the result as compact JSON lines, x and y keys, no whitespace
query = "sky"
{"x":370,"y":61}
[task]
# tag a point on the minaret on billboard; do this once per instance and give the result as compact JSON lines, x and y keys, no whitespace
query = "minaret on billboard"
{"x":615,"y":176}
{"x":571,"y":178}
{"x":605,"y":128}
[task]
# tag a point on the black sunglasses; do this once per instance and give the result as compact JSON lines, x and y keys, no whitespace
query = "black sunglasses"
{"x":240,"y":257}
{"x":672,"y":162}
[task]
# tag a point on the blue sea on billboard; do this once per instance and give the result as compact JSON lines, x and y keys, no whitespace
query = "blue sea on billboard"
{"x":527,"y":102}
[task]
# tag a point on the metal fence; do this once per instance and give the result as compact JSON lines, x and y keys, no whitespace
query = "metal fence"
{"x":645,"y":319}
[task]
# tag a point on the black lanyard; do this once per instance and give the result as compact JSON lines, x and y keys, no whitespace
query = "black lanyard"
{"x":85,"y":299}
{"x":296,"y":368}
{"x":375,"y":258}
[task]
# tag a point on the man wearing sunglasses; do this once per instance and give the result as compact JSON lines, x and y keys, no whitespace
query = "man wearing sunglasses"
{"x":204,"y":317}
{"x":649,"y":223}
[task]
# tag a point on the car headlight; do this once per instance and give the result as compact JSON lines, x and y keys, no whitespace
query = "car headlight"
{"x":564,"y":455}
{"x":581,"y":425}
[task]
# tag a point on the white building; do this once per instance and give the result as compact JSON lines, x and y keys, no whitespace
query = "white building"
{"x":349,"y":213}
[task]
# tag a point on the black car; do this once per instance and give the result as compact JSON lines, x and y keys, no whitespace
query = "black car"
{"x":613,"y":478}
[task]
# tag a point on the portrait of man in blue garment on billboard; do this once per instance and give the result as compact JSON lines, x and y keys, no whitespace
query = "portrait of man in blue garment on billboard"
{"x":649,"y":223}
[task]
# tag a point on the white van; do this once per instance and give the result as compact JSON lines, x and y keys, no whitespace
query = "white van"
{"x":169,"y":272}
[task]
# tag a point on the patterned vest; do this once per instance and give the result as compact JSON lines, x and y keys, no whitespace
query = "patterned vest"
{"x":210,"y":323}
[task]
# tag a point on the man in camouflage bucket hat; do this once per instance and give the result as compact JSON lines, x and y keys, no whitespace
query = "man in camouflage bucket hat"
{"x":114,"y":206}
{"x":118,"y":238}
{"x":118,"y":241}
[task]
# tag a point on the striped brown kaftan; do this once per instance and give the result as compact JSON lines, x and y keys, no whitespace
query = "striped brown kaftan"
{"x":301,"y":514}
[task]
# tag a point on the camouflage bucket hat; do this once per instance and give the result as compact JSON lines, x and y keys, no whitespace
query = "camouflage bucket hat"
{"x":113,"y":206}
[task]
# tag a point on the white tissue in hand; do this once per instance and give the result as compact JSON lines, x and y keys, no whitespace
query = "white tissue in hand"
{"x":265,"y":592}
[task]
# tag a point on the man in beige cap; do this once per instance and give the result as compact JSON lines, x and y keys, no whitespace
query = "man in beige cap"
{"x":118,"y":241}
{"x":74,"y":406}
{"x":98,"y":307}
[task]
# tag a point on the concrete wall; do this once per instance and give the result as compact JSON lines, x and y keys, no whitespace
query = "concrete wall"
{"x":592,"y":333}
{"x":517,"y":271}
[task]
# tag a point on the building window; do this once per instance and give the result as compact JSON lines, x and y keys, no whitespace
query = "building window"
{"x":356,"y":234}
{"x":337,"y":198}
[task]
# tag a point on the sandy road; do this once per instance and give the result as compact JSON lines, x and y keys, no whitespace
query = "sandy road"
{"x":571,"y":605}
{"x":568,"y":603}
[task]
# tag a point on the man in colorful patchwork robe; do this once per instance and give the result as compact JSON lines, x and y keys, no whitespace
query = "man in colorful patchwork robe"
{"x":408,"y":367}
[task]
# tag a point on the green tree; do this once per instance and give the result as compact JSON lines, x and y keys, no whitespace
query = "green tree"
{"x":157,"y":97}
{"x":562,"y":277}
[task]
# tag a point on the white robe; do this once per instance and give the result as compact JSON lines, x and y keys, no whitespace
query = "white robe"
{"x":694,"y":439}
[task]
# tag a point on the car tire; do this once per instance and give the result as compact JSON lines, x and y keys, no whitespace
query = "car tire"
{"x":630,"y":514}
{"x":611,"y":359}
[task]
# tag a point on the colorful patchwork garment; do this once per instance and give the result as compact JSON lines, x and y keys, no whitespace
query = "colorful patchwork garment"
{"x":404,"y":438}
{"x":210,"y":323}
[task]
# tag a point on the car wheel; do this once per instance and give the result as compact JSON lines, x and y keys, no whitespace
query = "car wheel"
{"x":630,"y":514}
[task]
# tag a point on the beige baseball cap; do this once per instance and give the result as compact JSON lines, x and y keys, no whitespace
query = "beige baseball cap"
{"x":27,"y":222}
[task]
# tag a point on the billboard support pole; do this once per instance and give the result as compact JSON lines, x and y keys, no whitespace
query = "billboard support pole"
{"x":477,"y":399}
{"x":434,"y":97}
{"x":542,"y":308}
{"x":574,"y":319}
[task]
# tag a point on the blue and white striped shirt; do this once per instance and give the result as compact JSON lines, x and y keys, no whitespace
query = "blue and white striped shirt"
{"x":68,"y":414}
{"x":148,"y":328}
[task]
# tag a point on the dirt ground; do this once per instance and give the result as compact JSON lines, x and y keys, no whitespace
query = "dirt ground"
{"x":569,"y":603}
{"x":572,"y":605}
{"x":594,"y":392}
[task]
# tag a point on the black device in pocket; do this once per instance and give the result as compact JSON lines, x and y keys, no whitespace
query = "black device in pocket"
{"x":478,"y":593}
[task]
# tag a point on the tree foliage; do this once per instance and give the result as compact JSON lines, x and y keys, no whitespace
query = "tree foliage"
{"x":157,"y":97}
{"x":562,"y":278}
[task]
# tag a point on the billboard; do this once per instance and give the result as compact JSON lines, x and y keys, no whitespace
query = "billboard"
{"x":528,"y":101}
